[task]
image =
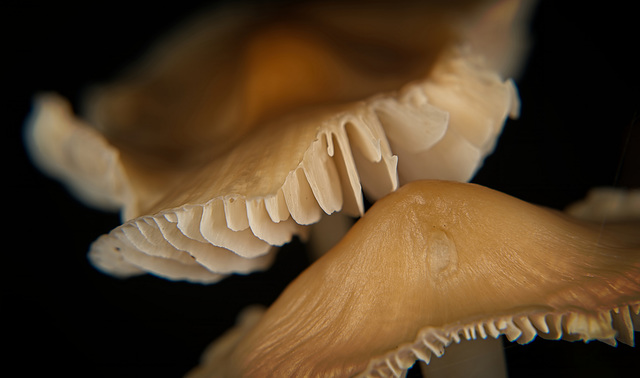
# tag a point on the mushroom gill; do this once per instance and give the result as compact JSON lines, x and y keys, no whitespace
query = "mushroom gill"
{"x":250,"y":122}
{"x":432,"y":264}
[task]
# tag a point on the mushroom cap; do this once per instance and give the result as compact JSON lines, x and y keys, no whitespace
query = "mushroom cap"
{"x":228,"y":142}
{"x":67,"y":148}
{"x":434,"y":263}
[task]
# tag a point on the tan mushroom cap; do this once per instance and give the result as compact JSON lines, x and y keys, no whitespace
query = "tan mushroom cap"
{"x":434,"y":263}
{"x":228,"y":141}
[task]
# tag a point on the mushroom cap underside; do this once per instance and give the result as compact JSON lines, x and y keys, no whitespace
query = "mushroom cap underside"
{"x":436,"y":262}
{"x":293,"y":172}
{"x":182,"y":192}
{"x":210,"y":87}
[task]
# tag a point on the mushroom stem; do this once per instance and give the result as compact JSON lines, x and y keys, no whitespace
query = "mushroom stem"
{"x":326,"y":233}
{"x":475,"y":358}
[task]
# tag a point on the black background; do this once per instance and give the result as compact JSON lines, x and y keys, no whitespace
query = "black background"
{"x":579,"y":129}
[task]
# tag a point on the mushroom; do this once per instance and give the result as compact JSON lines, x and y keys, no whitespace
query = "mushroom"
{"x":608,"y":204}
{"x":248,"y":124}
{"x":438,"y":263}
